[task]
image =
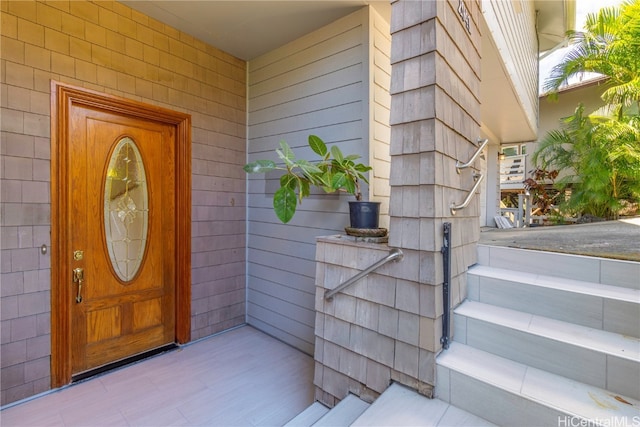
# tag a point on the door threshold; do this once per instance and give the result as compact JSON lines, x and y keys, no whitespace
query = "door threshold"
{"x":121,"y":363}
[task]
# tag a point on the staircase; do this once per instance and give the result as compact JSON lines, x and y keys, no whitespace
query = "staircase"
{"x":397,"y":406}
{"x":543,"y":339}
{"x":546,"y":339}
{"x":343,"y":414}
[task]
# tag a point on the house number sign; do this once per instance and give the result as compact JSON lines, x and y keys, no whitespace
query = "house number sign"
{"x":464,"y":15}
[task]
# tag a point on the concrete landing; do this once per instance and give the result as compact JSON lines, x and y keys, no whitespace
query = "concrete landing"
{"x":608,"y":239}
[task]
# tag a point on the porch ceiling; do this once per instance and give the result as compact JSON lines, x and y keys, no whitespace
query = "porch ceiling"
{"x":554,"y":19}
{"x":248,"y":29}
{"x":501,"y":111}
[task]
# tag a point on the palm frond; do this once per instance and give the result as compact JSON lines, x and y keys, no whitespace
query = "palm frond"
{"x":623,"y":94}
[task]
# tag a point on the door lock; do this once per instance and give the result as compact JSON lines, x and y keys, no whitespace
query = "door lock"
{"x":78,"y":277}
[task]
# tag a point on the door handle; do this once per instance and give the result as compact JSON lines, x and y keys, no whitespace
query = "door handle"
{"x":78,"y":277}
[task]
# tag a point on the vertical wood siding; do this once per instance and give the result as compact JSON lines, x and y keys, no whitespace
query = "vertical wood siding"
{"x":380,"y":157}
{"x":317,"y":84}
{"x":512,"y":27}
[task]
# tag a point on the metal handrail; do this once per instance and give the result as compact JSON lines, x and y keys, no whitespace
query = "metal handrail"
{"x":446,"y":284}
{"x":395,"y":254}
{"x":453,"y":207}
{"x":473,"y":158}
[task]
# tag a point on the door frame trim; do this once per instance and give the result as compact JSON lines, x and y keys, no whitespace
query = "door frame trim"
{"x":63,"y":97}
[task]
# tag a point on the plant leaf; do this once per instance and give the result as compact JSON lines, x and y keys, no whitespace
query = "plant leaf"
{"x":308,"y":168}
{"x":286,"y":154}
{"x":340,"y":180}
{"x":305,"y":189}
{"x":284,"y":204}
{"x":362,"y":168}
{"x":337,"y":154}
{"x":317,"y":145}
{"x":288,"y":181}
{"x":259,"y":166}
{"x":325,"y":181}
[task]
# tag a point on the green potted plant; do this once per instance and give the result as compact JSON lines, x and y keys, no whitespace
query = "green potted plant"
{"x":332,"y":172}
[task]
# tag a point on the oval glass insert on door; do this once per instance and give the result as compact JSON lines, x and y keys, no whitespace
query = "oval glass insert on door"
{"x":126,"y":210}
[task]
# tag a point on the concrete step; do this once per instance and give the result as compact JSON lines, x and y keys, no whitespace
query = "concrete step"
{"x":603,"y":359}
{"x":344,"y":413}
{"x":401,"y":406}
{"x":309,"y":416}
{"x":506,"y":392}
{"x":610,"y":308}
{"x":604,"y":271}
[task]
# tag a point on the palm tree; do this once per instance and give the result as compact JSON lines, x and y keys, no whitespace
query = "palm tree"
{"x":610,"y":45}
{"x":600,"y":152}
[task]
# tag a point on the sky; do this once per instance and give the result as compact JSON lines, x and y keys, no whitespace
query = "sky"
{"x":583,"y":8}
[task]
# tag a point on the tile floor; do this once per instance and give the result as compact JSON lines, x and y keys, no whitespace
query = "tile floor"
{"x":239,"y":378}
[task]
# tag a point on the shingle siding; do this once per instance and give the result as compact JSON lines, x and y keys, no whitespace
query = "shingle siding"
{"x":110,"y":48}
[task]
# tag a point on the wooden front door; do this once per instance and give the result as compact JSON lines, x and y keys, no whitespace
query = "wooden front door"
{"x":120,"y":263}
{"x":122,"y":208}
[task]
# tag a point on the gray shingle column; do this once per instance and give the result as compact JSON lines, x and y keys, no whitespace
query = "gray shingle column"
{"x":435,"y":120}
{"x":387,"y":326}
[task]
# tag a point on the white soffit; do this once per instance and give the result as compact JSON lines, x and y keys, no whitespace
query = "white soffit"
{"x":501,"y":110}
{"x":500,"y":107}
{"x":248,"y":29}
{"x":554,"y":18}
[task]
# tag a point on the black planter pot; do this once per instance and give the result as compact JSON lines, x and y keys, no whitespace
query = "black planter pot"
{"x":364,"y":214}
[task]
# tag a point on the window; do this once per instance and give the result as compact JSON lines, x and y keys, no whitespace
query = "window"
{"x":514,"y":150}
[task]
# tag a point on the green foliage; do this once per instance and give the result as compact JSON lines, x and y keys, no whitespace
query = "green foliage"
{"x":600,"y":152}
{"x":332,"y":172}
{"x":610,"y":45}
{"x":601,"y":155}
